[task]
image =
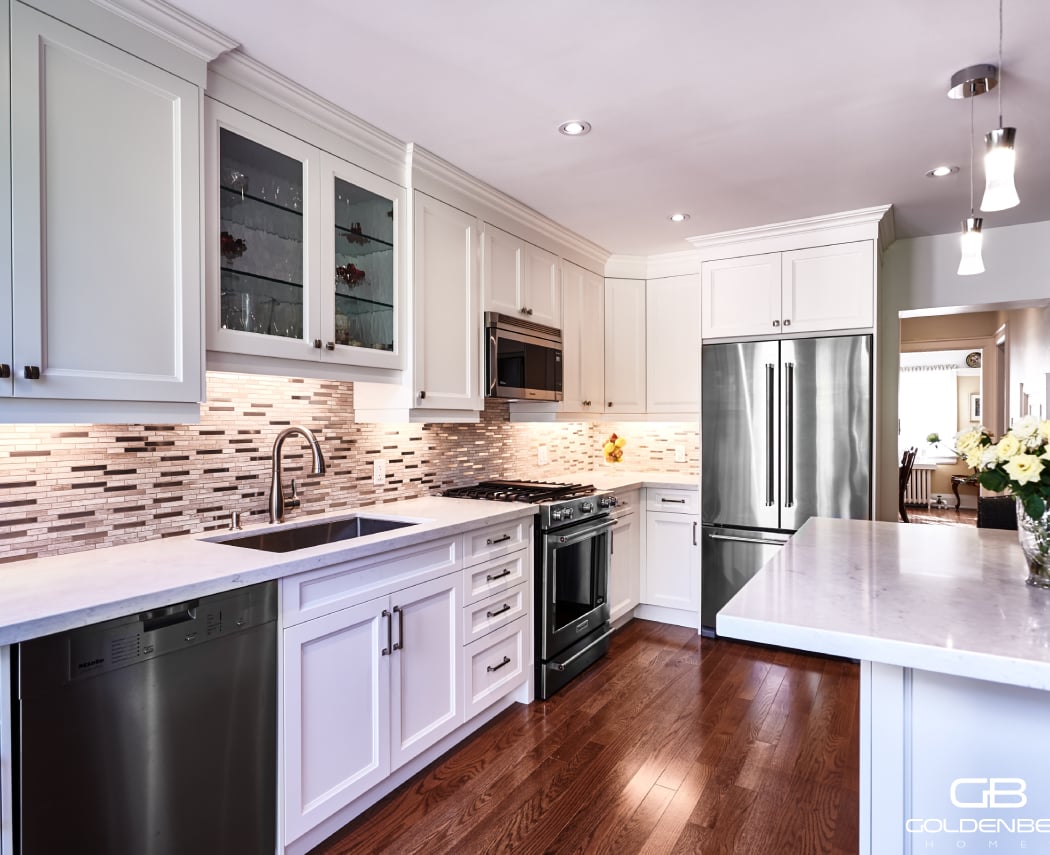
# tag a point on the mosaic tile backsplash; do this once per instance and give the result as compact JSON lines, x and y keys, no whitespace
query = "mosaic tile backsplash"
{"x":65,"y":488}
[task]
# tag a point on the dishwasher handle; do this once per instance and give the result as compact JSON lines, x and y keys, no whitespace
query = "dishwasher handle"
{"x":169,"y":615}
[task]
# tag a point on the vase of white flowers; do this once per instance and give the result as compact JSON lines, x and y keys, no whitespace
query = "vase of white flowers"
{"x":1020,"y":464}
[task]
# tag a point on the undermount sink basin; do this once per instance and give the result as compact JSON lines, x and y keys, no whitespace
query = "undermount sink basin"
{"x":290,"y":539}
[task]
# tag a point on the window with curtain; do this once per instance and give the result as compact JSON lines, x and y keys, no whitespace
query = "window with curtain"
{"x":928,"y":401}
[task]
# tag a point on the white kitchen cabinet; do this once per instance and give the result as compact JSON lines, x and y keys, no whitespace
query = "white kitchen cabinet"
{"x":625,"y":560}
{"x":583,"y":340}
{"x":304,"y":251}
{"x":624,"y":346}
{"x":496,"y":664}
{"x":814,"y":289}
{"x":672,"y":344}
{"x":672,"y":553}
{"x":447,"y":368}
{"x":105,"y":194}
{"x":426,"y":684}
{"x":519,"y":279}
{"x":335,"y":712}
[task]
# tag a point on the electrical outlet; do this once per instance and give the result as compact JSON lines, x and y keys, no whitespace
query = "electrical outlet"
{"x":679,"y":454}
{"x":542,"y":457}
{"x":378,"y":471}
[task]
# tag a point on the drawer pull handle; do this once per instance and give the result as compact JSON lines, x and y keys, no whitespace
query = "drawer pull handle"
{"x":674,"y":501}
{"x":506,"y":608}
{"x":400,"y":643}
{"x":506,"y":661}
{"x":502,"y":575}
{"x":491,"y":542}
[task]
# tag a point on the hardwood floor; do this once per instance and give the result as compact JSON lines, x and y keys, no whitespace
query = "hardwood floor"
{"x":671,"y":744}
{"x":944,"y":516}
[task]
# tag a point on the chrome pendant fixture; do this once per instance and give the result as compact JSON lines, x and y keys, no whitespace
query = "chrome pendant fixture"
{"x":971,"y":261}
{"x":999,"y":190}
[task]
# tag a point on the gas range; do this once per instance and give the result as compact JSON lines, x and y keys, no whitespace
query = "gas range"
{"x":559,"y":504}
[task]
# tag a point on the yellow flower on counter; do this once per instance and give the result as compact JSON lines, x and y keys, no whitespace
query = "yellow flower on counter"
{"x":1024,"y":468}
{"x":1009,"y":446}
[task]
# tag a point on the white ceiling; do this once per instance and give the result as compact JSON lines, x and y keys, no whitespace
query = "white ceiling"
{"x":741,"y":112}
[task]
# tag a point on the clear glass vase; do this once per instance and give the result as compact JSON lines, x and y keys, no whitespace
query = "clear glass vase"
{"x":1034,"y":534}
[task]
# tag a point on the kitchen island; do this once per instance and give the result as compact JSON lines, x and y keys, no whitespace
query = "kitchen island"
{"x":954,"y":651}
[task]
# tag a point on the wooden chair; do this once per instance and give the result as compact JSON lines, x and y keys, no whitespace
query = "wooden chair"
{"x":907,"y":461}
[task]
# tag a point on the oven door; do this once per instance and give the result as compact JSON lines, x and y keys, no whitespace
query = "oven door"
{"x":573,"y":592}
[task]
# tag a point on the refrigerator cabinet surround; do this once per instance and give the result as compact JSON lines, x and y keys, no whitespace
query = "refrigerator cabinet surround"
{"x":787,"y":429}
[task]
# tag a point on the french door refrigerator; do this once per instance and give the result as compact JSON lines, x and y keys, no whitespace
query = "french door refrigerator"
{"x":786,"y":435}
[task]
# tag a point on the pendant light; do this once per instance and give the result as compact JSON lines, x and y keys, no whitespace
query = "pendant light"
{"x":999,"y":190}
{"x":971,"y":262}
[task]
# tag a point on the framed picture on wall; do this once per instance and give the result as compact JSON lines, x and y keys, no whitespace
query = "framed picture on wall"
{"x":975,"y":407}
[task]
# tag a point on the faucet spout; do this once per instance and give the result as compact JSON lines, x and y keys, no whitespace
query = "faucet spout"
{"x":277,"y":499}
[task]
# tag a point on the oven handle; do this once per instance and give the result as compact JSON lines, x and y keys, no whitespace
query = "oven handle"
{"x":575,"y":535}
{"x":560,"y":666}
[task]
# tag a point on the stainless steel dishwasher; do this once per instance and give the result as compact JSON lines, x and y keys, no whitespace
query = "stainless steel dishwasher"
{"x":153,"y":734}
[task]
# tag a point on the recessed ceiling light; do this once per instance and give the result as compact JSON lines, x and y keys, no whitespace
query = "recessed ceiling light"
{"x":941,"y":171}
{"x":574,"y":128}
{"x":678,"y":218}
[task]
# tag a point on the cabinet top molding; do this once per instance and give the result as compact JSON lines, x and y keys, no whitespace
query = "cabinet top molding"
{"x":174,"y":25}
{"x":875,"y":222}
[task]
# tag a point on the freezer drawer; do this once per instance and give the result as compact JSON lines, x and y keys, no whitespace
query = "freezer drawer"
{"x":729,"y":558}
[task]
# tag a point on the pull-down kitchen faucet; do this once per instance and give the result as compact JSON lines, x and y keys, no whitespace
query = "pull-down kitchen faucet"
{"x":277,"y":500}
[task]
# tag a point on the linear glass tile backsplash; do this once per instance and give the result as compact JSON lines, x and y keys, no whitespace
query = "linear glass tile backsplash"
{"x":65,"y":488}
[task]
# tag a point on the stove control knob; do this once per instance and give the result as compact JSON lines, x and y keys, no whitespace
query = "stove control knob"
{"x":556,"y":515}
{"x":587,"y":507}
{"x":567,"y":513}
{"x":607,"y":502}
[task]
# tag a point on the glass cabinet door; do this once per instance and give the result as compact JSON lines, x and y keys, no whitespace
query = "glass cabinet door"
{"x":261,"y":238}
{"x":360,"y":308}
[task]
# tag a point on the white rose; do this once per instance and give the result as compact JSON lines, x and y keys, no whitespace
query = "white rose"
{"x":1025,"y":427}
{"x":989,"y":457}
{"x":1024,"y":468}
{"x":1044,"y":429}
{"x":966,"y":441}
{"x":1007,"y":447}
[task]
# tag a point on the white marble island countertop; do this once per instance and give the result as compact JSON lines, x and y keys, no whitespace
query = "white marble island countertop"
{"x":45,"y":595}
{"x":948,"y":599}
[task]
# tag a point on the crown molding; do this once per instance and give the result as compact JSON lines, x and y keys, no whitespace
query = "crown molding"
{"x":246,"y":84}
{"x":173,"y":25}
{"x":874,"y":223}
{"x":626,"y":267}
{"x":437,"y":177}
{"x":679,"y":263}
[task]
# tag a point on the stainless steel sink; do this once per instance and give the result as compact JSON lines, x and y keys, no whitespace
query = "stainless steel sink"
{"x":290,"y":539}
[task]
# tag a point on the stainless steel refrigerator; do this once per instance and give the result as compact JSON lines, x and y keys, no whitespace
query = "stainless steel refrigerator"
{"x":786,"y":435}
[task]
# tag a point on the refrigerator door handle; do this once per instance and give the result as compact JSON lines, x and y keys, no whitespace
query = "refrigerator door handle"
{"x":770,"y":451}
{"x":734,"y":538}
{"x":789,"y":434}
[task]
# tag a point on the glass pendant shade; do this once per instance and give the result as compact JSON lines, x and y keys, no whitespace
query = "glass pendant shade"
{"x":971,"y":261}
{"x":999,"y":190}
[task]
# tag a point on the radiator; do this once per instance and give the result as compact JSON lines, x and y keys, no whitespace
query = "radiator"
{"x":918,"y":490}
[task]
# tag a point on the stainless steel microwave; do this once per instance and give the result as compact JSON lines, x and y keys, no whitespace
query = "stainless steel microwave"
{"x":523,"y":361}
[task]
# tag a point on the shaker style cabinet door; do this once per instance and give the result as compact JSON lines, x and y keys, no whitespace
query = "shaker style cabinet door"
{"x":740,"y":296}
{"x":624,"y":346}
{"x":583,"y":340}
{"x":105,"y":165}
{"x":502,"y":272}
{"x":542,"y":287}
{"x":672,"y":561}
{"x":829,"y":287}
{"x":672,"y":342}
{"x":335,"y":712}
{"x":625,"y":561}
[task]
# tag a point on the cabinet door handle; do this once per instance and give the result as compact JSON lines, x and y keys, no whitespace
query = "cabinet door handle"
{"x":523,"y":310}
{"x":586,"y":403}
{"x":502,"y":575}
{"x":5,"y":371}
{"x":528,"y":311}
{"x":498,"y":612}
{"x":609,"y":404}
{"x":490,"y":542}
{"x":389,"y":633}
{"x":787,"y":322}
{"x":317,"y":343}
{"x":400,"y":643}
{"x":776,"y":323}
{"x":422,"y":395}
{"x":506,"y":661}
{"x":694,"y":533}
{"x":673,"y":501}
{"x":31,"y":372}
{"x":329,"y":345}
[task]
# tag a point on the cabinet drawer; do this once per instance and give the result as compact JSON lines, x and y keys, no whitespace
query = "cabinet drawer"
{"x":497,"y":575}
{"x":495,"y":540}
{"x":493,"y":612}
{"x":672,"y":501}
{"x":496,"y":664}
{"x":319,"y":592}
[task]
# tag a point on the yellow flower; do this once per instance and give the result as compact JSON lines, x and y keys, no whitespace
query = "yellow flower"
{"x":967,"y":441}
{"x":1044,"y":429}
{"x":973,"y":457}
{"x":1024,"y":468}
{"x":1009,"y":446}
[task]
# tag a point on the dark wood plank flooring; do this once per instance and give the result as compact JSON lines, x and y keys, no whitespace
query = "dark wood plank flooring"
{"x":943,"y":516}
{"x":671,"y":744}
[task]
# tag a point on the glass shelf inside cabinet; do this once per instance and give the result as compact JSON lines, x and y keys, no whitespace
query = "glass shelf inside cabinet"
{"x":364,"y":267}
{"x":261,"y":238}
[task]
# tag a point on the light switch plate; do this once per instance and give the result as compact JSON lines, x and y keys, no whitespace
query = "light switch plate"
{"x":679,"y":454}
{"x":378,"y":471}
{"x":542,"y":457}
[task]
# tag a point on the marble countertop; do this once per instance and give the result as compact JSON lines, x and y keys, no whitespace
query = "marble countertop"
{"x":612,"y":477}
{"x":45,"y":595}
{"x":948,"y":599}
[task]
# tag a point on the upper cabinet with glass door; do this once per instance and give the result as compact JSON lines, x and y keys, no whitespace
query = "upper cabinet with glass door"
{"x":304,"y":256}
